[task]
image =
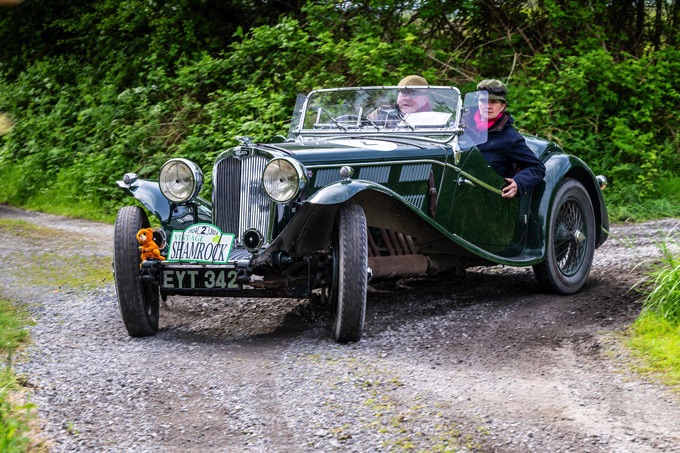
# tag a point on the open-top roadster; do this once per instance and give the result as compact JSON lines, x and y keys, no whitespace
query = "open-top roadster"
{"x":356,"y":191}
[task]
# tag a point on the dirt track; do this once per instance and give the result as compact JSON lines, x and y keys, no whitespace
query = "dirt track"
{"x":484,"y":363}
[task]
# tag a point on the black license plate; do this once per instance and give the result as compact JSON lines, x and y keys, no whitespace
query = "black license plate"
{"x":199,"y":278}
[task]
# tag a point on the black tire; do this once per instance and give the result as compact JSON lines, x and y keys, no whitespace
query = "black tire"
{"x":138,"y":302}
{"x":350,"y":274}
{"x":571,"y":240}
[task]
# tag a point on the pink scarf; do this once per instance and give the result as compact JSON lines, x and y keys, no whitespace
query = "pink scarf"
{"x":483,"y":124}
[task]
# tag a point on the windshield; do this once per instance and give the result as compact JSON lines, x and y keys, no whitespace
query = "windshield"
{"x":427,"y":111}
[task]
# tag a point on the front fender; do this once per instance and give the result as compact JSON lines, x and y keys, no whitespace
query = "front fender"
{"x":311,"y":228}
{"x":172,"y":217}
{"x":342,"y":191}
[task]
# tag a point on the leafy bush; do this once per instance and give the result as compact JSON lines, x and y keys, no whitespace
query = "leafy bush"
{"x":618,"y":116}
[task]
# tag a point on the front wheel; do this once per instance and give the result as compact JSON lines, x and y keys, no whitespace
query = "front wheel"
{"x":350,"y":274}
{"x":571,"y":240}
{"x":138,"y":301}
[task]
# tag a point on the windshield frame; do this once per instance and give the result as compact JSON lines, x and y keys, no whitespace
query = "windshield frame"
{"x":321,"y":114}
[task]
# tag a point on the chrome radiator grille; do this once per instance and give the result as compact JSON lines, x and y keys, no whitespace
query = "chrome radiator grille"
{"x":239,"y":200}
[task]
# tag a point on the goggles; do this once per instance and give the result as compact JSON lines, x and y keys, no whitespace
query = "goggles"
{"x":411,"y":92}
{"x":496,"y":91}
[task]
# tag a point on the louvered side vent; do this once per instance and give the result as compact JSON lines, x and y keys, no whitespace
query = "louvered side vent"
{"x":239,"y":200}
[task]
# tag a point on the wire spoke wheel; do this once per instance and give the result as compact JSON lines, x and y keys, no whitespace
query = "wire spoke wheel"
{"x":571,"y":240}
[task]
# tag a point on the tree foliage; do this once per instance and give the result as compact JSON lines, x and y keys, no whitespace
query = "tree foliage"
{"x":99,"y":88}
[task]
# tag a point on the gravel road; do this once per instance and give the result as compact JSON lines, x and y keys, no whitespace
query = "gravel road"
{"x":482,"y":363}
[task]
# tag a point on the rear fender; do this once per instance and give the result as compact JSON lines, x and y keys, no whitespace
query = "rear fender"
{"x":560,"y":167}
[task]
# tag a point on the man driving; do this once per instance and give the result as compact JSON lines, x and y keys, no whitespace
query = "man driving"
{"x":412,"y":100}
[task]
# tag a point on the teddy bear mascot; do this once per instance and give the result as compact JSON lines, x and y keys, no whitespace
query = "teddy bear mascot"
{"x":148,"y":246}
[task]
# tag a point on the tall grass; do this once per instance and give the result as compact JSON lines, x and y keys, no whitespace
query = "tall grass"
{"x":664,"y":296}
{"x":655,"y":334}
{"x":663,"y":293}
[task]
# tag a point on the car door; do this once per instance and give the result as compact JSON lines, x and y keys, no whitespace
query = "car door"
{"x":478,"y":212}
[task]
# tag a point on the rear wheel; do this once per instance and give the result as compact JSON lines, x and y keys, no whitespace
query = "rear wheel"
{"x":350,"y":274}
{"x":138,"y":301}
{"x":571,"y":240}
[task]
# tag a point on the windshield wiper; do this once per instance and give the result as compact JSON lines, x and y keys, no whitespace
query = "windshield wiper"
{"x":333,"y":120}
{"x":402,"y":118}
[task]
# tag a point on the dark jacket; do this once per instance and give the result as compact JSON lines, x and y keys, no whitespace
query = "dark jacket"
{"x":508,"y":154}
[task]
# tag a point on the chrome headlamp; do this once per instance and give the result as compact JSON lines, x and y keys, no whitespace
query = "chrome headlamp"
{"x":180,"y":180}
{"x":283,"y":179}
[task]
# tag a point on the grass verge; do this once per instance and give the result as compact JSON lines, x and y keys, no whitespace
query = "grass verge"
{"x":49,"y":267}
{"x":16,"y":413}
{"x":53,"y":268}
{"x":656,"y":343}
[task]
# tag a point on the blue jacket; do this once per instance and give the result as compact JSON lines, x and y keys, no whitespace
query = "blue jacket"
{"x":508,"y":154}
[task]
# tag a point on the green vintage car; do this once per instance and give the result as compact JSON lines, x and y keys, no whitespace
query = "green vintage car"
{"x":357,"y":191}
